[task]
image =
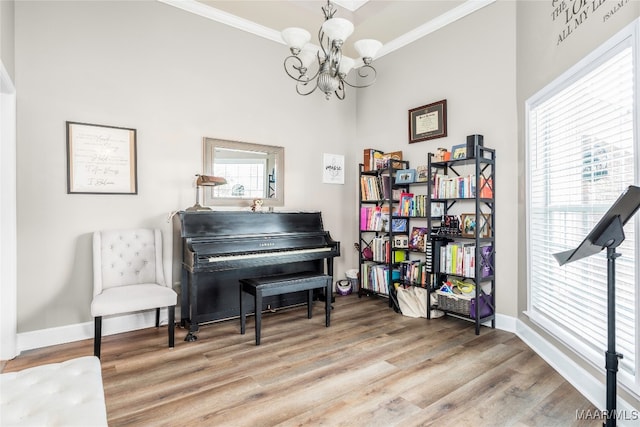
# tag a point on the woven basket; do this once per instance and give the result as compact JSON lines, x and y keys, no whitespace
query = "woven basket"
{"x":454,"y":302}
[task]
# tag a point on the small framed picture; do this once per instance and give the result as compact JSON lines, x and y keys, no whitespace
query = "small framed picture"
{"x":418,"y":239}
{"x":406,"y":176}
{"x":422,"y":173}
{"x":437,"y":209}
{"x":401,"y":241}
{"x":399,"y":225}
{"x":469,"y":225}
{"x":459,"y":152}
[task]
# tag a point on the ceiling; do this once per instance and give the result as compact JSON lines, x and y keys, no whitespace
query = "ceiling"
{"x":394,"y":23}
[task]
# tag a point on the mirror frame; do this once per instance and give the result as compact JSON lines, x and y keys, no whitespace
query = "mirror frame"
{"x":210,"y":144}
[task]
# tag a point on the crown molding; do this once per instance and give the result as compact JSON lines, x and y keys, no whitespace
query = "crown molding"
{"x":226,"y":18}
{"x":435,"y":24}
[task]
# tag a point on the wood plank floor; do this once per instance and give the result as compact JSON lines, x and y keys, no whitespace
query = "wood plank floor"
{"x":372,"y":367}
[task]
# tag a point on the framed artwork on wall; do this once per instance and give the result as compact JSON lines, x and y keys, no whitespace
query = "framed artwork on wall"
{"x":428,"y":122}
{"x":333,"y":169}
{"x":101,"y":159}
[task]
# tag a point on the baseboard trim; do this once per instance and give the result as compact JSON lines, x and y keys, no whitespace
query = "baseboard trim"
{"x":81,"y":331}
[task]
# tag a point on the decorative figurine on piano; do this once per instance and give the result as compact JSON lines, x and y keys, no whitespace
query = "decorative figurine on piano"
{"x":257,"y":205}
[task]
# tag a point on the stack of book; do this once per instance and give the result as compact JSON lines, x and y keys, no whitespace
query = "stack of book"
{"x":375,"y":277}
{"x":414,"y":272}
{"x":461,"y":187}
{"x":376,"y":160}
{"x":460,"y":259}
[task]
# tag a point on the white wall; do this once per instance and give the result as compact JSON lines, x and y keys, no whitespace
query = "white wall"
{"x":471,"y":64}
{"x":175,"y":77}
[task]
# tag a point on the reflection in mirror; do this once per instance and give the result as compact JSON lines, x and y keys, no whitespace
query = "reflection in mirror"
{"x":252,"y":171}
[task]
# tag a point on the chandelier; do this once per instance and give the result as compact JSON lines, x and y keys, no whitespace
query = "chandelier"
{"x":332,"y":66}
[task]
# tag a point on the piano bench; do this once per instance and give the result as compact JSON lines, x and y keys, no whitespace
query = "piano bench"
{"x":284,"y":284}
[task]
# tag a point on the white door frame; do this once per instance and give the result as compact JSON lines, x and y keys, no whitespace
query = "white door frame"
{"x":8,"y":225}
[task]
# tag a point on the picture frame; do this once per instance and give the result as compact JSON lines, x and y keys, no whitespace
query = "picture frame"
{"x":459,"y":152}
{"x":468,"y":225}
{"x":437,"y":209}
{"x":399,"y":225}
{"x":332,"y":168}
{"x":418,"y":239}
{"x":405,"y":176}
{"x":401,"y":241}
{"x":101,"y":159}
{"x":422,"y":173}
{"x":428,"y":122}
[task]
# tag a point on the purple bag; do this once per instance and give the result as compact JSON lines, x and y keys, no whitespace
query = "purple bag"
{"x":486,"y":302}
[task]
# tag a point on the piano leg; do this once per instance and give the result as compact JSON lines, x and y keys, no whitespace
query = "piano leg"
{"x":243,"y":314}
{"x":184,"y":298}
{"x":258,"y":310}
{"x":193,"y":301}
{"x":327,"y":302}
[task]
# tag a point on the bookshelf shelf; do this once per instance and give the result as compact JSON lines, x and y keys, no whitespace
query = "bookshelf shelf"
{"x":461,"y":256}
{"x":383,"y":233}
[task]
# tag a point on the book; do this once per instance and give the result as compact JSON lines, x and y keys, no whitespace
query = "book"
{"x":418,"y":239}
{"x":369,"y":158}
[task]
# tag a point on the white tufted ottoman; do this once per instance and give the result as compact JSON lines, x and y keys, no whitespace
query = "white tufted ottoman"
{"x":58,"y":394}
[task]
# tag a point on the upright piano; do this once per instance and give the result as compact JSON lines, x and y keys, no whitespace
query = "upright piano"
{"x":221,"y":247}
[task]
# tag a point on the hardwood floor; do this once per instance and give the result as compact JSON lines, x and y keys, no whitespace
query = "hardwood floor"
{"x":372,"y":367}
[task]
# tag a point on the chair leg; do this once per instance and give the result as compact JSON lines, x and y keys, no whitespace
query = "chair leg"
{"x":158,"y":317}
{"x":172,"y":325}
{"x":97,"y":336}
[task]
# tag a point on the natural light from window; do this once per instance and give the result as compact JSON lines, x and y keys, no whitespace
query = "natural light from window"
{"x":582,"y":153}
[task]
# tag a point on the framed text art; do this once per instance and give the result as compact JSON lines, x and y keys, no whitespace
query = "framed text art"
{"x":333,"y":169}
{"x":428,"y":122}
{"x":101,"y":159}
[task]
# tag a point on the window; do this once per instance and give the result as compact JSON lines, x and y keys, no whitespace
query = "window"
{"x":582,"y":148}
{"x":245,"y":178}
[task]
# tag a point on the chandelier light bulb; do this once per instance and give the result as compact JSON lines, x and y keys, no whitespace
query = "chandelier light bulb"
{"x":346,"y":65}
{"x":367,"y":48}
{"x":295,"y":38}
{"x":337,"y":29}
{"x":308,"y":54}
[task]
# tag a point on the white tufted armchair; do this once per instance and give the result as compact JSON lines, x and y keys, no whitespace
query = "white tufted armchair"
{"x":128,"y":276}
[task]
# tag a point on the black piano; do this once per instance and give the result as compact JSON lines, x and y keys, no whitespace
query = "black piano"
{"x":221,"y":247}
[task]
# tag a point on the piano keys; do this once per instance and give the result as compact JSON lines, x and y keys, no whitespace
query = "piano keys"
{"x":221,"y":247}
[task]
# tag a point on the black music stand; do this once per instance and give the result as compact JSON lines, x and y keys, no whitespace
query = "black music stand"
{"x":608,"y":233}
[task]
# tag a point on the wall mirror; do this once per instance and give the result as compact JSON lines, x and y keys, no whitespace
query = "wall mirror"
{"x":252,"y":171}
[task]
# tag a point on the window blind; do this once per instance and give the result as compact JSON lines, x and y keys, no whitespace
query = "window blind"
{"x":582,"y":155}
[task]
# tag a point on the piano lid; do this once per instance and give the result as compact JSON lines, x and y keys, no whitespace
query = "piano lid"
{"x":216,"y":223}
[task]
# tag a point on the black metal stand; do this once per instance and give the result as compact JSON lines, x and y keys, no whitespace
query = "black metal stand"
{"x":608,"y":233}
{"x":611,"y":239}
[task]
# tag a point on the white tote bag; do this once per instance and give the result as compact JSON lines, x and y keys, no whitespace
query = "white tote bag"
{"x":412,"y":301}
